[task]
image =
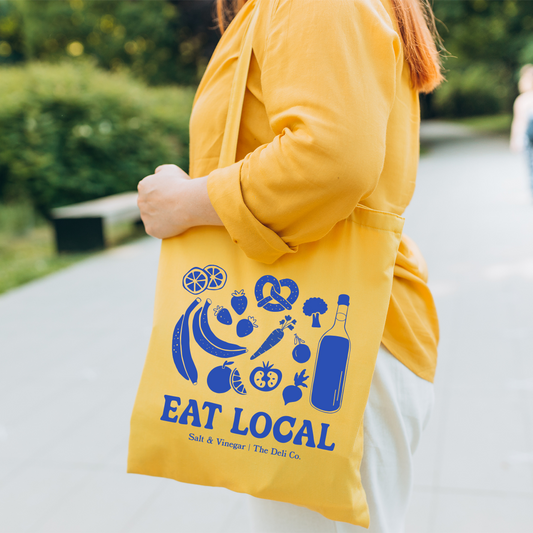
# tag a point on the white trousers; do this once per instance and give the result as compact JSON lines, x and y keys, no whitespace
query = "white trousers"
{"x":398,"y":409}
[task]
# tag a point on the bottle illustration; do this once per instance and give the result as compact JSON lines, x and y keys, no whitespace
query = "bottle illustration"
{"x":331,"y":364}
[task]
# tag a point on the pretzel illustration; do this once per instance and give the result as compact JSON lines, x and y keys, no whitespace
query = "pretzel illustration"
{"x":268,"y":302}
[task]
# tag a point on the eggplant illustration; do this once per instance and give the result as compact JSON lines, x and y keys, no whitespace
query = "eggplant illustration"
{"x":181,"y":347}
{"x":208,"y":341}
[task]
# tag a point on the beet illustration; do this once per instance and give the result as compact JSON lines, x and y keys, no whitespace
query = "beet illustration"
{"x":293,"y":393}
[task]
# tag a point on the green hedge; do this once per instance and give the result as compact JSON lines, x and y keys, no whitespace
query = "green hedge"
{"x":473,"y":91}
{"x":71,"y":132}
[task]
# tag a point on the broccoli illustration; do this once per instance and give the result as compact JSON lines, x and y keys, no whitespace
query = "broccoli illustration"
{"x":315,"y":307}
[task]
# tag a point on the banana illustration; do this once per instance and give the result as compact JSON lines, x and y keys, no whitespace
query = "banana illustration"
{"x":208,"y":341}
{"x":181,"y":347}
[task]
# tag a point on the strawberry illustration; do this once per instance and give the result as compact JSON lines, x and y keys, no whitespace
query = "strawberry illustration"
{"x":246,"y":326}
{"x":239,"y":302}
{"x":223,"y":315}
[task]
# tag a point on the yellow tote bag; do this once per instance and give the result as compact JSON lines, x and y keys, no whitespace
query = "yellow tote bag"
{"x":257,"y":376}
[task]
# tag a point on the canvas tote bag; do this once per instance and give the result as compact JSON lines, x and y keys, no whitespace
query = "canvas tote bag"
{"x":257,"y":376}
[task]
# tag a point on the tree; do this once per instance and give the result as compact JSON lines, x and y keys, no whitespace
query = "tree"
{"x":11,"y":34}
{"x":161,"y":42}
{"x":488,"y":42}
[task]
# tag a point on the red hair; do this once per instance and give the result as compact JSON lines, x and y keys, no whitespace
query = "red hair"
{"x":418,"y":32}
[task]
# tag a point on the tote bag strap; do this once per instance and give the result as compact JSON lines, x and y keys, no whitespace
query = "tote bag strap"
{"x":228,"y":152}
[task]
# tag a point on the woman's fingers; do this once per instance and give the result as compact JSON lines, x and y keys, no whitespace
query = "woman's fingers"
{"x":164,"y":203}
{"x":166,"y":167}
{"x":173,"y":170}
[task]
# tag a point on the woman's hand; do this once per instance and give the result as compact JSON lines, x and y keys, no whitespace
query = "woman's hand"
{"x":171,"y":202}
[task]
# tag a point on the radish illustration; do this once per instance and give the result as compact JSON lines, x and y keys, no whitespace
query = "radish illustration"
{"x":275,"y":337}
{"x":293,"y":393}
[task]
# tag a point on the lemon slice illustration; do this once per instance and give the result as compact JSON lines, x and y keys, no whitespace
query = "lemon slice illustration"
{"x":217,"y":277}
{"x":196,"y":280}
{"x":236,"y":382}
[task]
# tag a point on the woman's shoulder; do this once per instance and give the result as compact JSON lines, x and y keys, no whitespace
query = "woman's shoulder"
{"x":330,"y":6}
{"x":328,"y":11}
{"x":324,"y":28}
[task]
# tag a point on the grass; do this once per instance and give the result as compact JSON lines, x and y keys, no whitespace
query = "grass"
{"x":27,"y":247}
{"x":494,"y":124}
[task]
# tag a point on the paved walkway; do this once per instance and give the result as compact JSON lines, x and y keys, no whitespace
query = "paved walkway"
{"x":472,"y":216}
{"x":72,"y":348}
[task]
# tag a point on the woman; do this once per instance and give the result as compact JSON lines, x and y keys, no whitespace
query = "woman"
{"x":522,"y":127}
{"x":330,"y":120}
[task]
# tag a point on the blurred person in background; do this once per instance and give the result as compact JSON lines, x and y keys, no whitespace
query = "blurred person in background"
{"x":330,"y":120}
{"x":522,"y":127}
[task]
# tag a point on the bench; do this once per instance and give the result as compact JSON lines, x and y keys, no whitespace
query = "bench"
{"x":88,"y":225}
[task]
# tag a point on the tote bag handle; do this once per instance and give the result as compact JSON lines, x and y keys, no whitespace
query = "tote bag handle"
{"x":228,"y":152}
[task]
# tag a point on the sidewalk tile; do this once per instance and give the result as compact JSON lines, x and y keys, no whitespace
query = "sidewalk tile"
{"x":481,"y":513}
{"x":483,"y":428}
{"x":192,"y":509}
{"x":29,"y":496}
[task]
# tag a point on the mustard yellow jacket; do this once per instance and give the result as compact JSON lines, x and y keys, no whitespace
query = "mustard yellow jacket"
{"x":329,"y":121}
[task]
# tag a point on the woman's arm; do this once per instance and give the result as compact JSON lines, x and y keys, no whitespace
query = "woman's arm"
{"x":171,"y":203}
{"x":328,"y":80}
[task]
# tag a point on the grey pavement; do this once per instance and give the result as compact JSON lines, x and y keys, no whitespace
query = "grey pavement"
{"x":72,"y":348}
{"x":472,"y":216}
{"x":436,"y":131}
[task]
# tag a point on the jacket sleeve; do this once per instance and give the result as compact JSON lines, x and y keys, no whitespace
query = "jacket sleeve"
{"x":328,"y":74}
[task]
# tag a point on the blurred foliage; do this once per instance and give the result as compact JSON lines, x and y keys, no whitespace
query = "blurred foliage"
{"x":493,"y":124}
{"x":170,"y":41}
{"x":160,"y":42}
{"x":470,"y":92}
{"x":71,"y":132}
{"x":11,"y":33}
{"x":488,"y":42}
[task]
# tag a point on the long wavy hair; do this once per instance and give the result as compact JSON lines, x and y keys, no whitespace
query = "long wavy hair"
{"x":416,"y":23}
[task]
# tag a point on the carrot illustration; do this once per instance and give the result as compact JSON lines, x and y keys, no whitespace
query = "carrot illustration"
{"x":275,"y":337}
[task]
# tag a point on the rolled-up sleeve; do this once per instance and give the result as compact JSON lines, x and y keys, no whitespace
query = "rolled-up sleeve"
{"x":328,"y":77}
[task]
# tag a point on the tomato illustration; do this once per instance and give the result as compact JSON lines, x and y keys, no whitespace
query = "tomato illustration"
{"x":265,"y":378}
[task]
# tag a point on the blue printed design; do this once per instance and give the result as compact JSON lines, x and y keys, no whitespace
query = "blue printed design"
{"x":268,"y":302}
{"x":208,"y":341}
{"x":223,"y":378}
{"x":315,"y":307}
{"x":265,"y":378}
{"x":217,"y":277}
{"x":301,"y":352}
{"x":239,"y":302}
{"x":246,"y":326}
{"x":223,"y":315}
{"x":331,"y":364}
{"x":218,"y":380}
{"x":211,"y":277}
{"x":293,"y":393}
{"x":276,"y":336}
{"x":181,"y":348}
